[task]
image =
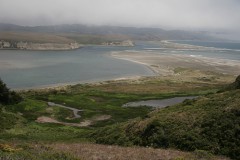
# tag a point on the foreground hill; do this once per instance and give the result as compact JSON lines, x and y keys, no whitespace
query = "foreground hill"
{"x":89,"y":151}
{"x":210,"y":123}
{"x":23,"y":136}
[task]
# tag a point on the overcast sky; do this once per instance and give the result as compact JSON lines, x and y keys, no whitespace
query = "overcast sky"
{"x":172,"y":14}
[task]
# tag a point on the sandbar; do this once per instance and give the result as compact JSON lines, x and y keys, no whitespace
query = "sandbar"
{"x":165,"y":64}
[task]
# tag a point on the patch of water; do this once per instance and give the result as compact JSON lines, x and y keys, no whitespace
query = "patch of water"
{"x":158,"y":103}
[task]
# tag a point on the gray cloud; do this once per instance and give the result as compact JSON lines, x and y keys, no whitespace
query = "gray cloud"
{"x":183,"y":14}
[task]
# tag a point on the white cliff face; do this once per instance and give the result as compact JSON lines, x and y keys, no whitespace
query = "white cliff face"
{"x":39,"y":46}
{"x":47,"y":46}
{"x":127,"y":43}
{"x":55,"y":46}
{"x":22,"y":45}
{"x":4,"y":44}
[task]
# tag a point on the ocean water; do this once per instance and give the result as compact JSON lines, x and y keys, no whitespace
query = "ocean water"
{"x":221,"y":50}
{"x":30,"y":69}
{"x":222,"y":45}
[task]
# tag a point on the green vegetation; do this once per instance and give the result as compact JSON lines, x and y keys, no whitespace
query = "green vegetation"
{"x":94,"y":39}
{"x":30,"y":152}
{"x":210,"y":123}
{"x":7,"y":120}
{"x":236,"y":84}
{"x":7,"y":96}
{"x":34,"y":37}
{"x":61,"y":38}
{"x":200,"y":124}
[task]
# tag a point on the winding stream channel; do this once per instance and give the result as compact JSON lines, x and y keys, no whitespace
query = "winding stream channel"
{"x":75,"y":111}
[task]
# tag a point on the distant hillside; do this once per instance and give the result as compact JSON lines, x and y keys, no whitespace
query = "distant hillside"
{"x":33,"y":37}
{"x":35,"y":41}
{"x":210,"y":123}
{"x":132,"y":32}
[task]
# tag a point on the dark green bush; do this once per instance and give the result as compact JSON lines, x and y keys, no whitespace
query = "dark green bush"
{"x":210,"y":123}
{"x":7,"y":96}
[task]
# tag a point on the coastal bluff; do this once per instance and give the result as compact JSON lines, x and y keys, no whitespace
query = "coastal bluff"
{"x":37,"y":46}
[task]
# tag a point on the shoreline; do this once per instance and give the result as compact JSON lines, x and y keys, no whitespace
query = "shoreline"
{"x":181,"y":46}
{"x":60,"y":86}
{"x":134,"y":61}
{"x":201,"y":47}
{"x":165,"y":64}
{"x":161,"y":65}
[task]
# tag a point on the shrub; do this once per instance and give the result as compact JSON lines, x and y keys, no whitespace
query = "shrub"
{"x":7,"y":96}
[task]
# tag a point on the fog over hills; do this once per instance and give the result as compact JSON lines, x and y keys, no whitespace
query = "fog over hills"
{"x":219,"y":17}
{"x":131,"y":32}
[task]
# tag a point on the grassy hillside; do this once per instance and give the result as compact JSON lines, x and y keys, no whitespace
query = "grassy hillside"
{"x":22,"y":125}
{"x":88,"y":151}
{"x":133,"y":32}
{"x":96,"y":38}
{"x":60,"y":38}
{"x":93,"y":34}
{"x":34,"y":37}
{"x":24,"y":151}
{"x":210,"y":123}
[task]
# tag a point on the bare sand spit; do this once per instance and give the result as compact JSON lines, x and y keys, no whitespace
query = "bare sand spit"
{"x":164,"y":64}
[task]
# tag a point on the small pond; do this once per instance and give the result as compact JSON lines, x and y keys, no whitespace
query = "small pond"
{"x":158,"y":103}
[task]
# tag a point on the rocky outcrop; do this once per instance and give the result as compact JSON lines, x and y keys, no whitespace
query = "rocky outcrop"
{"x":38,"y":46}
{"x":127,"y":43}
{"x":236,"y":84}
{"x":4,"y":44}
{"x":233,"y":86}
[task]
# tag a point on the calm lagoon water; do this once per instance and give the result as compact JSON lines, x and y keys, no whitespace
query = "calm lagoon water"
{"x":158,"y":103}
{"x":29,"y":69}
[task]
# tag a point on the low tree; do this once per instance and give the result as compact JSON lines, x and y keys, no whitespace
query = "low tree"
{"x":7,"y":96}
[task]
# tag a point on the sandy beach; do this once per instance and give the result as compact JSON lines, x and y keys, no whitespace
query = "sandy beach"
{"x":166,"y":64}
